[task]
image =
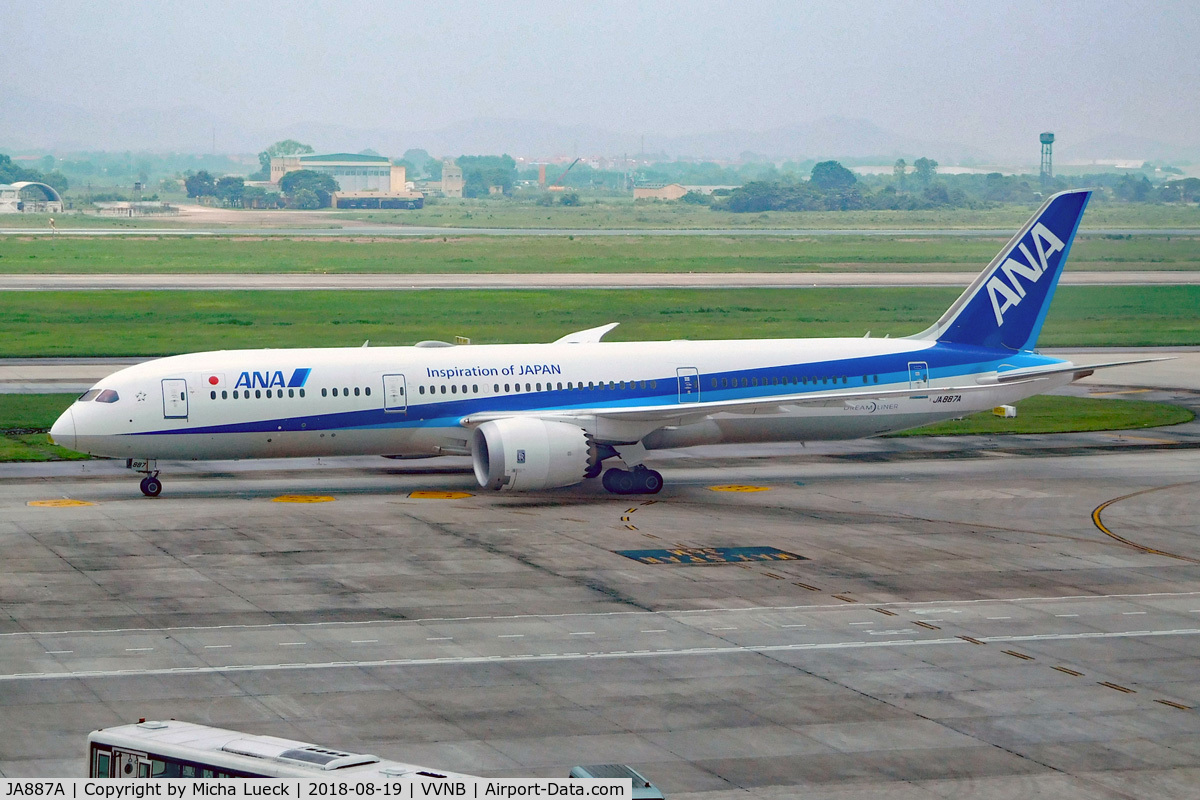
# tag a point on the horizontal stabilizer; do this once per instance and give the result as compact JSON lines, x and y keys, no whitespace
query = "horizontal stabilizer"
{"x":1080,"y":370}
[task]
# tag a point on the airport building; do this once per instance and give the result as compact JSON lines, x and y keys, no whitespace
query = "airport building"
{"x":29,"y":197}
{"x":452,"y":180}
{"x":363,"y":181}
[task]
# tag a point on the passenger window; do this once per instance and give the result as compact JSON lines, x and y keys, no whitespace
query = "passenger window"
{"x":235,"y":394}
{"x":224,"y":395}
{"x":356,"y":391}
{"x":302,"y":393}
{"x":560,"y":386}
{"x":590,"y":386}
{"x":421,"y":389}
{"x":527,"y":388}
{"x":324,"y":393}
{"x":107,"y":396}
{"x":474,"y":388}
{"x":102,"y":762}
{"x":212,"y":395}
{"x":453,"y":389}
{"x":653,"y":384}
{"x":367,"y":391}
{"x":268,"y":394}
{"x":496,"y":388}
{"x":754,"y":382}
{"x":258,"y":394}
{"x":464,"y":388}
{"x":88,"y":395}
{"x":539,"y":387}
{"x":291,"y":392}
{"x":335,"y":394}
{"x":443,"y":388}
{"x":345,"y":391}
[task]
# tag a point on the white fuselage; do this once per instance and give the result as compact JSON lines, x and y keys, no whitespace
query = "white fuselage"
{"x":411,"y":401}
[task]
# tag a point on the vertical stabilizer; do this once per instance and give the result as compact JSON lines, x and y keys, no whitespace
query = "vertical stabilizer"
{"x":1006,"y":305}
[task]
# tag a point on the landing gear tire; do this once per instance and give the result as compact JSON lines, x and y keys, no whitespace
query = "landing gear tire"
{"x":639,"y":481}
{"x":151,"y":486}
{"x":652,"y":481}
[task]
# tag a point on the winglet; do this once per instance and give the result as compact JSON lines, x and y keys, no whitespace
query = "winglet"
{"x":590,"y":336}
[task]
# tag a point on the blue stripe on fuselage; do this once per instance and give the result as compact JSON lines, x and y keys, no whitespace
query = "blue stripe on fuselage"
{"x":943,"y":361}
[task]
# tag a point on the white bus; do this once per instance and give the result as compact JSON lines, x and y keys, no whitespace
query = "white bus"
{"x":171,"y":749}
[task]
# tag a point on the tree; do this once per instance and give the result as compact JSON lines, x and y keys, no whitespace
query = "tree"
{"x":320,"y":184}
{"x":1131,"y":189}
{"x":480,"y":173}
{"x":900,"y":172}
{"x":230,"y":189}
{"x":569,"y":199}
{"x":830,"y":176}
{"x":287,"y":147}
{"x":303,"y":198}
{"x":201,"y":184}
{"x":925,"y":168}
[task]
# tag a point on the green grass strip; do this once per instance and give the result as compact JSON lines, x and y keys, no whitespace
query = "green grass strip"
{"x":1060,"y":414}
{"x":166,"y":322}
{"x":612,"y":254}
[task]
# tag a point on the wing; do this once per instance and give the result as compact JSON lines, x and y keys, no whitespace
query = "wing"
{"x":680,"y":413}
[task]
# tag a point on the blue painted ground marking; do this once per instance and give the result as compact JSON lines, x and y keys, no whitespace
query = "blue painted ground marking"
{"x":710,"y":555}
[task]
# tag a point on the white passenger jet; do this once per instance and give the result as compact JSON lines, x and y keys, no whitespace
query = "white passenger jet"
{"x":539,"y":416}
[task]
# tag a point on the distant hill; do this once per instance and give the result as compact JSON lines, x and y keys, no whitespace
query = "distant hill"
{"x":30,"y":123}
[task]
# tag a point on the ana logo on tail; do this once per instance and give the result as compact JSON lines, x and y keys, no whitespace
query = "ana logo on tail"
{"x":1008,"y":294}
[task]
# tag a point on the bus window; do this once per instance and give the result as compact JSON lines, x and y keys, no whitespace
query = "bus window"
{"x":100,"y":766}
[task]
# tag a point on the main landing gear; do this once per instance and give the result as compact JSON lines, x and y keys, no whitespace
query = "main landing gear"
{"x":151,"y":486}
{"x":639,"y":480}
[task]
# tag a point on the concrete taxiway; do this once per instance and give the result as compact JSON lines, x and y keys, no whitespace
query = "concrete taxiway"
{"x":982,"y":617}
{"x":630,"y":280}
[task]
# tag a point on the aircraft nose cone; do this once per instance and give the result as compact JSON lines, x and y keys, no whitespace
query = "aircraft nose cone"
{"x":62,"y":433}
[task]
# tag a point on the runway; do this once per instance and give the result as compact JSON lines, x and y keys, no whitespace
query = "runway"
{"x":630,"y":280}
{"x":345,"y":227}
{"x":955,"y":623}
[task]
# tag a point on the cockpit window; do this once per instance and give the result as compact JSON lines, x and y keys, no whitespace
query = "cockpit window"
{"x":90,"y":394}
{"x":107,"y":396}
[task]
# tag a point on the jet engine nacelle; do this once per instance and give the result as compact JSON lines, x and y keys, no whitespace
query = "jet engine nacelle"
{"x":527,"y":454}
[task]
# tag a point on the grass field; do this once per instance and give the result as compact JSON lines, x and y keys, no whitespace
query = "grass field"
{"x":1058,"y":414}
{"x":24,"y":418}
{"x":623,"y":213}
{"x":633,"y":254}
{"x":159,"y":323}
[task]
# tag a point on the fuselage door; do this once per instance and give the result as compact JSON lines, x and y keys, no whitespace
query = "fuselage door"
{"x":394,"y":396}
{"x":175,"y":402}
{"x":918,"y":375}
{"x":689,"y":384}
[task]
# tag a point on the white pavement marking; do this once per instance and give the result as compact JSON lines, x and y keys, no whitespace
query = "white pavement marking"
{"x":692,"y":651}
{"x":668,"y":613}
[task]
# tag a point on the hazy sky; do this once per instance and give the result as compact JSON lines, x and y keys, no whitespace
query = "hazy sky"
{"x":978,"y":72}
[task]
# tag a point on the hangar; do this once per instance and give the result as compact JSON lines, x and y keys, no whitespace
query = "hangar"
{"x":364,"y":181}
{"x":30,"y":197}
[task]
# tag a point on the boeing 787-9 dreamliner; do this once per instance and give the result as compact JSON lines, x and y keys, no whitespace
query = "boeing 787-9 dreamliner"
{"x":539,"y":416}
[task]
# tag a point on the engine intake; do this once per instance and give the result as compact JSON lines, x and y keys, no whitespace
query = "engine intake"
{"x":527,"y":454}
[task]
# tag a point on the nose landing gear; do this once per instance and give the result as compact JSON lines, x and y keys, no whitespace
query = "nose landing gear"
{"x":639,"y":480}
{"x":151,"y":486}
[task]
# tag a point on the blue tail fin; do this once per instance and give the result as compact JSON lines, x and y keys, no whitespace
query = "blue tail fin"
{"x":1006,"y":305}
